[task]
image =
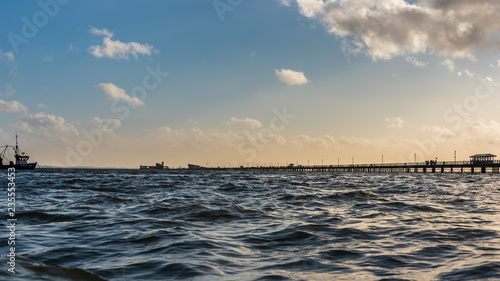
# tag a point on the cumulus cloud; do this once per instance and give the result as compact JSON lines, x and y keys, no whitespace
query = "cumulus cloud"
{"x":252,"y":123}
{"x":116,"y":49}
{"x":106,"y":125}
{"x":46,"y":125}
{"x":478,"y":133}
{"x":291,"y":77}
{"x":42,"y":106}
{"x":399,"y":28}
{"x":116,"y":93}
{"x":394,"y":122}
{"x":12,"y":106}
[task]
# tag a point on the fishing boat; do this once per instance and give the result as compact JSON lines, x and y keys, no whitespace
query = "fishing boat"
{"x":158,"y":166}
{"x":21,"y":159}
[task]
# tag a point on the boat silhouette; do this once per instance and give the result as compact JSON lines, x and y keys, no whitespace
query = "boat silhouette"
{"x":21,"y":159}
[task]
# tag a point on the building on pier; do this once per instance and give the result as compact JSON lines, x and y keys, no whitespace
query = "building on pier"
{"x":482,"y":159}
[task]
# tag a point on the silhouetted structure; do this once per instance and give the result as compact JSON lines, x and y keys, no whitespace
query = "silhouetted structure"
{"x":483,"y":158}
{"x":484,"y":163}
{"x":158,"y":166}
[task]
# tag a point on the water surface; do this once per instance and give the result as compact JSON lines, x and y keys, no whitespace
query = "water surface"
{"x":216,"y":225}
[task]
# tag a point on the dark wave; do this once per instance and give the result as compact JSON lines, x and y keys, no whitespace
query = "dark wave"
{"x":28,"y":269}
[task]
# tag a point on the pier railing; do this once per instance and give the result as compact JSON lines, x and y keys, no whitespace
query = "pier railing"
{"x":394,"y":165}
{"x":427,"y":166}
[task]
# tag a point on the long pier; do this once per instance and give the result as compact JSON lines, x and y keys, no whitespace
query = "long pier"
{"x":416,"y":167}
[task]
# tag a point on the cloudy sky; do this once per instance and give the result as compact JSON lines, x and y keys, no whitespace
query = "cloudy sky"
{"x":229,"y":83}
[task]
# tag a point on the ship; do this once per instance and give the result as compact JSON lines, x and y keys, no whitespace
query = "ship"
{"x":195,"y":167}
{"x":21,"y":159}
{"x":158,"y":166}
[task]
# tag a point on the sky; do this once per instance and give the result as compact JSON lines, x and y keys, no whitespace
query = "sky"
{"x":239,"y":82}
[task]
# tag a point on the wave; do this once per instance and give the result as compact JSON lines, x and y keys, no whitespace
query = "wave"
{"x":28,"y":269}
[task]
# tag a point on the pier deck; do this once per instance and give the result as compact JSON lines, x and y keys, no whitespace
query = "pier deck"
{"x":419,"y":167}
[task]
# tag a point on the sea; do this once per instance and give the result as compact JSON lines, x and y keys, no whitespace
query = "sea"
{"x":109,"y":224}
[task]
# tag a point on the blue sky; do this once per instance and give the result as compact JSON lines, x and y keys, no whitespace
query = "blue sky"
{"x":362,"y":78}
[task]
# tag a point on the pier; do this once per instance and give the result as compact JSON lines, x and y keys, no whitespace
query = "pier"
{"x":480,"y":163}
{"x":439,"y":167}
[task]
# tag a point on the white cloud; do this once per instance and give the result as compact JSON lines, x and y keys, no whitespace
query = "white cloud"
{"x":469,"y":73}
{"x":116,"y":93}
{"x":107,"y":125}
{"x":46,"y":125}
{"x":394,"y":122}
{"x":104,"y":32}
{"x":291,"y":77}
{"x":252,"y":123}
{"x":415,"y":62}
{"x":466,"y":72}
{"x":47,"y":58}
{"x":312,"y":142}
{"x":7,"y":55}
{"x":399,"y":28}
{"x":12,"y":106}
{"x":42,"y":106}
{"x":118,"y":50}
{"x":9,"y":91}
{"x":285,"y":2}
{"x":477,"y":133}
{"x":449,"y":64}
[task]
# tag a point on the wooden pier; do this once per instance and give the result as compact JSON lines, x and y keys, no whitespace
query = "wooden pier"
{"x":479,"y":163}
{"x":420,"y":167}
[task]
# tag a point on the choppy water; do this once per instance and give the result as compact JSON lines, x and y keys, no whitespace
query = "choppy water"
{"x":132,"y":225}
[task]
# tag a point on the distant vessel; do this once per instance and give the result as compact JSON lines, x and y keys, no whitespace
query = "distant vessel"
{"x":21,"y":159}
{"x":158,"y":166}
{"x":195,"y":167}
